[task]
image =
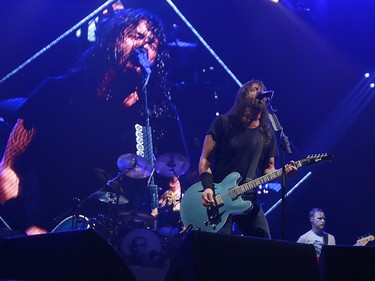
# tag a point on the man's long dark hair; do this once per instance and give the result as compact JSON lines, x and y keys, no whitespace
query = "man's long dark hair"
{"x":238,"y":109}
{"x":103,"y":55}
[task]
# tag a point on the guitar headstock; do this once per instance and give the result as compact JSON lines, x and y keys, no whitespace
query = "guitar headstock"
{"x":317,"y":158}
{"x":364,"y":240}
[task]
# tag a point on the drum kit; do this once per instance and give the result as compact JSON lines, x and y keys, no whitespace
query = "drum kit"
{"x":119,"y":227}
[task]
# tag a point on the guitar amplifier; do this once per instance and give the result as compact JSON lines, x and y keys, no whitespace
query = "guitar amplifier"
{"x":214,"y":257}
{"x":72,"y":255}
{"x":347,"y":263}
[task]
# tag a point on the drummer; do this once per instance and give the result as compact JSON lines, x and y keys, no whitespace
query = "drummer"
{"x":175,"y":187}
{"x":168,"y":214}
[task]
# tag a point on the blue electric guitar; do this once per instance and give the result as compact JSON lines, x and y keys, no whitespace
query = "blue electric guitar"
{"x":227,"y":196}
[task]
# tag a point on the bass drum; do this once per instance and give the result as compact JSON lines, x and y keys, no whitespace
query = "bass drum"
{"x":141,"y":247}
{"x":70,"y":223}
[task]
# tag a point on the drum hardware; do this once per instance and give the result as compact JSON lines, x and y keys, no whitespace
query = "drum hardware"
{"x":106,"y":227}
{"x":171,"y":164}
{"x":110,"y":181}
{"x":110,"y":197}
{"x":76,"y":212}
{"x":108,"y":223}
{"x":134,"y":166}
{"x":72,"y":222}
{"x":169,"y":222}
{"x":134,"y":216}
{"x":114,"y":201}
{"x":75,"y":218}
{"x":116,"y":221}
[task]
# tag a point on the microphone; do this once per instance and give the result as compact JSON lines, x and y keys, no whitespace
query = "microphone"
{"x":142,"y":57}
{"x":265,"y":95}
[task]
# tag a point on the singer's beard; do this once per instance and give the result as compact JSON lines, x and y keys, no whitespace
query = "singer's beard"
{"x":121,"y":83}
{"x":252,"y":113}
{"x":253,"y":108}
{"x":129,"y":63}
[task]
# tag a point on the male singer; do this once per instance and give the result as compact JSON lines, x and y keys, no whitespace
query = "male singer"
{"x":80,"y":121}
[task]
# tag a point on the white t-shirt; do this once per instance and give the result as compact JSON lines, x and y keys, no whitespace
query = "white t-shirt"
{"x":311,"y":238}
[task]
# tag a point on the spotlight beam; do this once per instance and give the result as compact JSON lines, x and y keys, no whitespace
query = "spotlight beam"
{"x":288,"y":193}
{"x":200,"y":38}
{"x":58,"y":39}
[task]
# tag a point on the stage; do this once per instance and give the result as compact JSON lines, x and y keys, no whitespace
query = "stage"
{"x":85,"y":255}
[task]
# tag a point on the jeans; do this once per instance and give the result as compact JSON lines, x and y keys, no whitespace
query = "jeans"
{"x":251,"y":223}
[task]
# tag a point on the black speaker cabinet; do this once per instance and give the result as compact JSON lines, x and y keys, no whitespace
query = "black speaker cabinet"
{"x":73,"y":255}
{"x":347,"y":263}
{"x":214,"y":257}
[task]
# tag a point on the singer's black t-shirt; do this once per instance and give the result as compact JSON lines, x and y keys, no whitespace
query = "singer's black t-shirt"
{"x":74,"y":136}
{"x":239,"y":149}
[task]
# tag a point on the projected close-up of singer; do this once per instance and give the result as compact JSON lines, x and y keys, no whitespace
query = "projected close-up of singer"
{"x":186,"y":140}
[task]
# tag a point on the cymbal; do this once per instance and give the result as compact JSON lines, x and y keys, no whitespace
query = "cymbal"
{"x":134,"y":215}
{"x":171,"y":164}
{"x":105,"y":177}
{"x":134,"y":166}
{"x":110,"y":197}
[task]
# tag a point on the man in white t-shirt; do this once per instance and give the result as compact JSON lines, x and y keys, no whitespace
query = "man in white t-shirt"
{"x":316,"y":235}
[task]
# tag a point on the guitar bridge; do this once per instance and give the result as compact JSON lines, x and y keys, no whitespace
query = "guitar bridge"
{"x":218,"y":201}
{"x":214,"y":218}
{"x":213,"y":213}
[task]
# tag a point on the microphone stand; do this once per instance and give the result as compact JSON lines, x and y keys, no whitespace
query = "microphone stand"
{"x":285,"y":150}
{"x":76,"y":212}
{"x":112,"y":227}
{"x":171,"y":166}
{"x":149,"y":147}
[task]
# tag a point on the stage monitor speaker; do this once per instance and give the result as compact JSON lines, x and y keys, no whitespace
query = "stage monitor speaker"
{"x":215,"y":257}
{"x":347,"y":263}
{"x":73,"y":255}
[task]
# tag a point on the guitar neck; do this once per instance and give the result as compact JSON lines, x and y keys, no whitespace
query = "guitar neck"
{"x":363,"y":241}
{"x":243,"y":188}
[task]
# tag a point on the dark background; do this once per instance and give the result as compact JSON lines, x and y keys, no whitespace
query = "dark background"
{"x":313,"y":54}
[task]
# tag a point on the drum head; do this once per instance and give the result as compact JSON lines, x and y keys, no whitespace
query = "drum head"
{"x":71,"y":223}
{"x":140,"y":247}
{"x":168,"y":231}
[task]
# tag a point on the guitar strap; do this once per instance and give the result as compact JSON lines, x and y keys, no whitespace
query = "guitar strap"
{"x":325,"y":238}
